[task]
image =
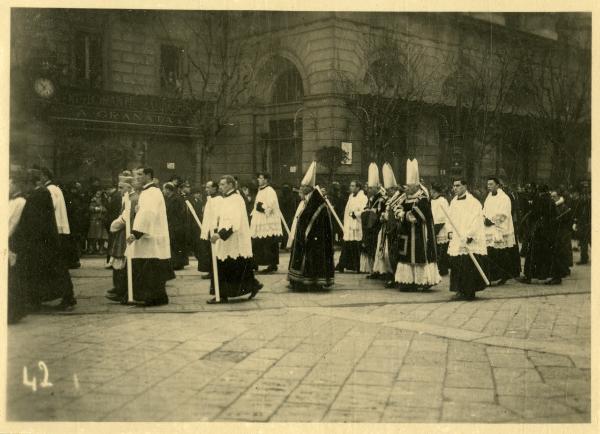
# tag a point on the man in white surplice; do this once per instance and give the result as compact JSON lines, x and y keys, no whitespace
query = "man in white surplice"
{"x":265,"y":227}
{"x":232,"y":246}
{"x":503,"y":257}
{"x":350,"y":255}
{"x":150,"y":244}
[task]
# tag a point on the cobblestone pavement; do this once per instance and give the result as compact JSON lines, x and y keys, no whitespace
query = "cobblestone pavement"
{"x":359,"y":353}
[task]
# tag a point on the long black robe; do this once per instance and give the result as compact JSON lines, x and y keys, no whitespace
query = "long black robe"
{"x":36,"y":243}
{"x":541,"y":258}
{"x":564,"y":251}
{"x":176,"y":218}
{"x":371,"y":225}
{"x":311,"y":260}
{"x":416,"y":243}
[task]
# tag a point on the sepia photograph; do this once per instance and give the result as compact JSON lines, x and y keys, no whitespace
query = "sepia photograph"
{"x":284,"y":216}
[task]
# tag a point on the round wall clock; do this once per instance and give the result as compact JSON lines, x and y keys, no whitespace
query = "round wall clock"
{"x":44,"y":87}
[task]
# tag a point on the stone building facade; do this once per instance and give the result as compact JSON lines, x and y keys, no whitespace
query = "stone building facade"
{"x":125,"y":82}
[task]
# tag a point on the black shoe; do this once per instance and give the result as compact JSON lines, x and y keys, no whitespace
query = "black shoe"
{"x":75,"y":266}
{"x":390,"y":284}
{"x":501,"y":282}
{"x":205,"y":276}
{"x":268,"y":270}
{"x":525,"y":280}
{"x":373,"y":276}
{"x":582,"y":263}
{"x":67,"y":304}
{"x":158,"y":302}
{"x":554,"y":281}
{"x":255,"y":291}
{"x":339,"y":269}
{"x":114,"y":297}
{"x":214,"y":301}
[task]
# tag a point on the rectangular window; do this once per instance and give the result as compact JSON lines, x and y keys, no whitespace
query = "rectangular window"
{"x":88,"y":59}
{"x":171,"y":68}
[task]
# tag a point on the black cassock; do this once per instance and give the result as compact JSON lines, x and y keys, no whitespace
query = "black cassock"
{"x":563,"y":248}
{"x":40,"y":268}
{"x":371,"y":225}
{"x":541,"y":261}
{"x":311,"y":260}
{"x":176,"y":218}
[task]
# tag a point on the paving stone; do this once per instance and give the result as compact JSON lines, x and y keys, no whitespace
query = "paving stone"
{"x":371,"y":378}
{"x":192,"y":413}
{"x":361,"y":398}
{"x":460,"y":394}
{"x":420,"y":343}
{"x":534,"y":408}
{"x":299,"y":359}
{"x":220,"y":395}
{"x":379,"y":364}
{"x":287,"y":372}
{"x":404,"y":414}
{"x":470,"y":379}
{"x":466,"y":412}
{"x":32,"y":408}
{"x":97,"y":402}
{"x":416,"y":394}
{"x":533,"y":389}
{"x":269,"y":353}
{"x":314,"y":394}
{"x":512,"y":375}
{"x":498,"y":360}
{"x":238,"y":377}
{"x":255,"y":364}
{"x":352,"y":416}
{"x":328,"y":374}
{"x":550,"y":373}
{"x":243,"y":345}
{"x":273,"y":386}
{"x":297,"y":412}
{"x":428,"y":374}
{"x":393,"y":352}
{"x":251,"y":409}
{"x":425,"y":358}
{"x":226,"y":356}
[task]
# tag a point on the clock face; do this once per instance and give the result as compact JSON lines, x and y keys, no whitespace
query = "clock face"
{"x":44,"y":87}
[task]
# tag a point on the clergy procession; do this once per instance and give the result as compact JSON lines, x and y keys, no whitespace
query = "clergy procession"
{"x":406,"y":236}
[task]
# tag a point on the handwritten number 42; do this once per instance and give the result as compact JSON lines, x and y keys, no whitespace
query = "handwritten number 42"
{"x":33,"y":382}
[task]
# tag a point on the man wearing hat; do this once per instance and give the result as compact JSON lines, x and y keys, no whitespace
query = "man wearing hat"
{"x":415,"y":244}
{"x":353,"y":234}
{"x":311,"y":260}
{"x":371,"y":221}
{"x":384,"y":264}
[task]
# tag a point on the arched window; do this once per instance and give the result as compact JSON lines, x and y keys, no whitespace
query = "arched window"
{"x":384,"y":75}
{"x":287,"y":87}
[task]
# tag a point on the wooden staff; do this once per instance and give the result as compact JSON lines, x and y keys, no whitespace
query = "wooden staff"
{"x":193,"y":211}
{"x":287,"y":229}
{"x":129,"y":248}
{"x":337,"y":219}
{"x":483,"y":276}
{"x":215,"y":270}
{"x":212,"y":253}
